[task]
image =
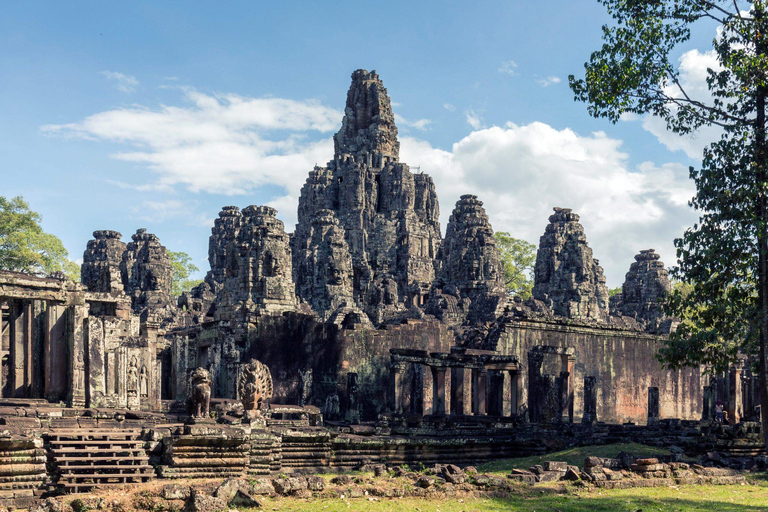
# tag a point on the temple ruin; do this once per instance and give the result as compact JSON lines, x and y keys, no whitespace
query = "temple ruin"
{"x":363,"y":319}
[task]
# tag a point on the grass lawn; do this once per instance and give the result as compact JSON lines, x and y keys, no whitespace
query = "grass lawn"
{"x":716,"y":498}
{"x":559,"y":497}
{"x":573,"y":456}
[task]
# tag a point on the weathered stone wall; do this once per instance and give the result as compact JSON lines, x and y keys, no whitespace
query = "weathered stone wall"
{"x":622,"y":362}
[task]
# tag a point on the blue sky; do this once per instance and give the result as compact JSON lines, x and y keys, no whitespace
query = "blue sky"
{"x":155,"y":115}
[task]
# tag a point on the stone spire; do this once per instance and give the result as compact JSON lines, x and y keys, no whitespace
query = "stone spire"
{"x":471,"y":281}
{"x":147,"y":275}
{"x":645,"y":287}
{"x":100,"y":271}
{"x":469,"y":256}
{"x":325,"y":266}
{"x":265,"y":266}
{"x":222,"y":245}
{"x":368,"y":132}
{"x":388,"y":214}
{"x":567,"y":277}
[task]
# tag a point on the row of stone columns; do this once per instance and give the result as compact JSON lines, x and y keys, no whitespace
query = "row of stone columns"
{"x":39,"y":352}
{"x":465,"y":391}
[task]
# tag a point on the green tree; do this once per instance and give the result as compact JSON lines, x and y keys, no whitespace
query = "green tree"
{"x":615,"y":291}
{"x":723,"y":257}
{"x":518,"y":258}
{"x":183,"y":267}
{"x":25,"y":247}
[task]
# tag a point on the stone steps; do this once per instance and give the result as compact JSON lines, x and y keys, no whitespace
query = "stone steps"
{"x":87,"y":458}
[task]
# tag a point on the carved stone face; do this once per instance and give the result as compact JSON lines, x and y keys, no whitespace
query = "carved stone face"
{"x":335,"y":275}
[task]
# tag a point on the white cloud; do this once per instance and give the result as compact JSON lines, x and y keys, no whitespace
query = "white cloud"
{"x":474,"y":119}
{"x":550,"y":80}
{"x":419,"y":124}
{"x":124,"y":83}
{"x":522,"y":172}
{"x":449,"y":107}
{"x":224,"y":144}
{"x":508,"y":68}
{"x":693,"y":78}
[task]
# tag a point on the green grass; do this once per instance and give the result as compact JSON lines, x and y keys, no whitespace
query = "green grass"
{"x":573,"y":456}
{"x":720,"y":498}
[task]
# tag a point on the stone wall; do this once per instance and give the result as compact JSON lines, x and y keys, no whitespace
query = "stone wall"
{"x":622,"y":363}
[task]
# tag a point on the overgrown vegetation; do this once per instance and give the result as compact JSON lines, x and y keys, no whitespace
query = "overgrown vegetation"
{"x":182,"y":266}
{"x":25,"y":247}
{"x":518,"y":258}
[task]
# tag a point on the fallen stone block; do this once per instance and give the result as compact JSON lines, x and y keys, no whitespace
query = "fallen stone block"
{"x":315,"y":483}
{"x":176,"y":492}
{"x":555,"y":466}
{"x":201,"y":502}
{"x":244,"y":499}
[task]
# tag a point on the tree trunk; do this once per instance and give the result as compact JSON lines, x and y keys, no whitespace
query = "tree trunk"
{"x":761,"y":168}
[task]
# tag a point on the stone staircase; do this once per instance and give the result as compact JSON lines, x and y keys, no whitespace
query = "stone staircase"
{"x":84,"y":458}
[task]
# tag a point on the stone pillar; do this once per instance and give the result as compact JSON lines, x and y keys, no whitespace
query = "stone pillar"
{"x":735,"y":398}
{"x":457,"y":391}
{"x":96,"y":379}
{"x":396,"y":371}
{"x":438,"y":390}
{"x":417,"y":391}
{"x":76,"y":315}
{"x":653,"y":405}
{"x":516,"y":378}
{"x":480,"y":392}
{"x":568,"y":360}
{"x":19,"y":320}
{"x":590,"y":400}
{"x":709,"y":404}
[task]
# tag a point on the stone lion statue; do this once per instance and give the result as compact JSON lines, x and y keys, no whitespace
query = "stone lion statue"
{"x":200,"y":394}
{"x":255,"y":386}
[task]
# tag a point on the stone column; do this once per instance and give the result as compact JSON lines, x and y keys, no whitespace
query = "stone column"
{"x":396,"y":371}
{"x":457,"y":391}
{"x":480,"y":392}
{"x":653,"y":405}
{"x":590,"y":400}
{"x":709,"y":403}
{"x":438,"y":390}
{"x":568,"y":360}
{"x":18,"y":347}
{"x":735,"y":399}
{"x":76,"y":314}
{"x":96,"y":379}
{"x":516,"y":384}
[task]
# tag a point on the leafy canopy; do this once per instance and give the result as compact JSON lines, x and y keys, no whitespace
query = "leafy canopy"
{"x":518,"y":258}
{"x":182,"y":266}
{"x":719,"y":258}
{"x":25,"y":247}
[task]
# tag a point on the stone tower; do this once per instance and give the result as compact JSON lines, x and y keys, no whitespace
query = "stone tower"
{"x":567,"y":277}
{"x":325,"y":266}
{"x":100,"y":271}
{"x":147,"y":274}
{"x":645,"y":286}
{"x":388,"y":214}
{"x":471,"y":268}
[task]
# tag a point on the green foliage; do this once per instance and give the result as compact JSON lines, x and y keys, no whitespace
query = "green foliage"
{"x":183,"y":267}
{"x":25,"y":247}
{"x":723,"y":259}
{"x":615,"y":291}
{"x":518,"y":258}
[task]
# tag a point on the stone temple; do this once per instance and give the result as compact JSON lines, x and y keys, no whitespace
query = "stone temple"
{"x":365,"y":316}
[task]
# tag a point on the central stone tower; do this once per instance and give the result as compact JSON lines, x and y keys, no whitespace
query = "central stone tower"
{"x":389,"y":215}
